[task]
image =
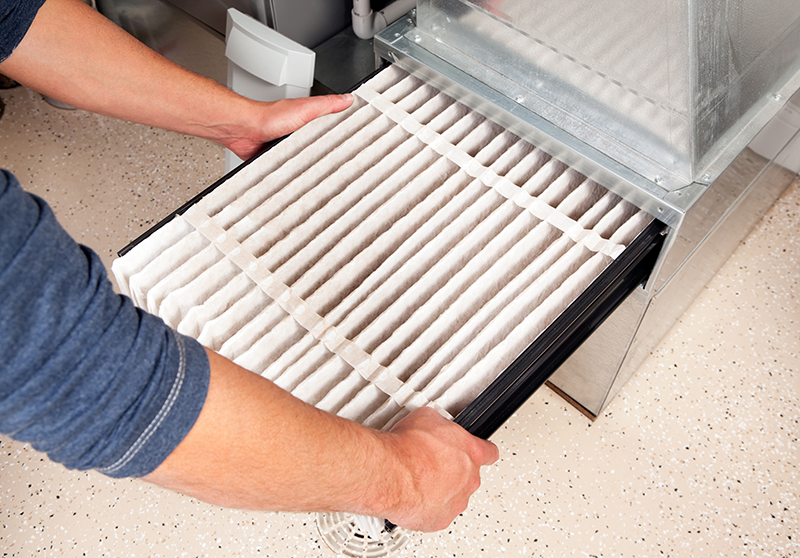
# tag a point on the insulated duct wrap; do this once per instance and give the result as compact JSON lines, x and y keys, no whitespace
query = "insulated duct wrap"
{"x":399,"y":254}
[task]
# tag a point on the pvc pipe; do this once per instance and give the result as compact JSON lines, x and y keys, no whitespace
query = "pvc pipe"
{"x":366,"y":22}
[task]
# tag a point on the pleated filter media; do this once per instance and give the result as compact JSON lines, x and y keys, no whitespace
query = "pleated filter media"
{"x":402,"y":253}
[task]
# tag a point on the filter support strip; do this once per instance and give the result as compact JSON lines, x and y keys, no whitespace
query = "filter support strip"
{"x":361,"y":361}
{"x":502,"y":185}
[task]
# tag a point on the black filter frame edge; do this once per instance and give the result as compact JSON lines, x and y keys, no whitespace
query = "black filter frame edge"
{"x":541,"y":359}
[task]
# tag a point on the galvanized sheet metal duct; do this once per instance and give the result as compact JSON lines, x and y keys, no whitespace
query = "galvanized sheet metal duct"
{"x":671,"y":90}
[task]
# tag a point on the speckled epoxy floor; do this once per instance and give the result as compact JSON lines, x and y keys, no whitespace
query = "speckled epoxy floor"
{"x":698,"y":455}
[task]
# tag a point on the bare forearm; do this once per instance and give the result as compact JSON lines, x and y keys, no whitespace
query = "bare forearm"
{"x":256,"y":446}
{"x":77,"y":56}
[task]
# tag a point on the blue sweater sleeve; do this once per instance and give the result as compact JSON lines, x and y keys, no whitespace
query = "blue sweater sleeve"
{"x":16,"y":17}
{"x":85,"y":376}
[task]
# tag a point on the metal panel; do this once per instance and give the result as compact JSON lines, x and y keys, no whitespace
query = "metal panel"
{"x":689,"y":280}
{"x":710,"y":233}
{"x":665,"y":88}
{"x":402,"y":44}
{"x":172,"y":33}
{"x":310,"y":22}
{"x":213,"y":14}
{"x":586,"y":377}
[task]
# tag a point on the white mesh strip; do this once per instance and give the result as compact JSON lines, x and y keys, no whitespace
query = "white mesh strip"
{"x":487,"y":176}
{"x":361,"y":361}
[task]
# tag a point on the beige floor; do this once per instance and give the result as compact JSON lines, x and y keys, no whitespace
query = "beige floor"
{"x":698,"y":456}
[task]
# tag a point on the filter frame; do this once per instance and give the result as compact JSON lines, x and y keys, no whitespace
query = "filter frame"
{"x":536,"y":364}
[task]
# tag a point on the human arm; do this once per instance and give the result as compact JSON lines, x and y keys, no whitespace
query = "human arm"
{"x":97,"y":383}
{"x":256,"y":446}
{"x":75,"y":55}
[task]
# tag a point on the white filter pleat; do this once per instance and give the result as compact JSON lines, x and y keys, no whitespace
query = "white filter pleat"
{"x":216,"y":332}
{"x":135,"y":261}
{"x":206,"y":312}
{"x":176,"y":265}
{"x":574,"y":282}
{"x":499,"y":232}
{"x":401,"y":253}
{"x":250,"y":180}
{"x":381,"y":220}
{"x":175,"y":296}
{"x":475,"y":231}
{"x":343,"y":392}
{"x":261,"y":341}
{"x":491,"y":324}
{"x":332,"y":259}
{"x":497,"y":288}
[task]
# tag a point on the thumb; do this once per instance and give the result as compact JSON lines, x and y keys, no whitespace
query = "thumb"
{"x":275,"y":119}
{"x":292,"y":114}
{"x":490,"y":453}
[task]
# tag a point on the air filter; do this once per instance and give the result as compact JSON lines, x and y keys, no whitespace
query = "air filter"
{"x":403,"y":253}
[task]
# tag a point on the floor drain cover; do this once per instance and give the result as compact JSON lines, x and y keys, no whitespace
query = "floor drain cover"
{"x":341,"y":533}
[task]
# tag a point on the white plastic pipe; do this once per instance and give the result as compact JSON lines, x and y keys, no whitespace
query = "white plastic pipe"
{"x":366,"y":22}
